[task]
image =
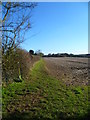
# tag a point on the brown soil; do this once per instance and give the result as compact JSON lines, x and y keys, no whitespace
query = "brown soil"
{"x":72,"y":71}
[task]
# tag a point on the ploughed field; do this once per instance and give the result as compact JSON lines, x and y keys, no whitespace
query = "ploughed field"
{"x":71,"y":70}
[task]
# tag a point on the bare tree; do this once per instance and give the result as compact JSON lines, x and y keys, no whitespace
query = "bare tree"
{"x":16,"y":18}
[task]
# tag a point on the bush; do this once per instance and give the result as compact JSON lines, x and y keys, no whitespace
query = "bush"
{"x":15,"y":63}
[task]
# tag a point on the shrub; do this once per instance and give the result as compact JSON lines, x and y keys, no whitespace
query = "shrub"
{"x":15,"y":64}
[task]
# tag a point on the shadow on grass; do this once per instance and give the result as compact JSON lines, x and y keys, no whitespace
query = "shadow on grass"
{"x":28,"y":116}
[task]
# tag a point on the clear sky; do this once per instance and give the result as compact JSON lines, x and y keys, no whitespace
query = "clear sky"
{"x":59,"y":28}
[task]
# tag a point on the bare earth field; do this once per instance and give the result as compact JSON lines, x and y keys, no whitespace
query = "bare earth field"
{"x":72,"y":71}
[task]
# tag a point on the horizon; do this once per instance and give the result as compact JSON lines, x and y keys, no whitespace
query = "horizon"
{"x":67,"y":53}
{"x":59,"y":28}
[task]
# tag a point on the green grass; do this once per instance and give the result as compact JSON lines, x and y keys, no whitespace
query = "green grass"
{"x":44,"y":98}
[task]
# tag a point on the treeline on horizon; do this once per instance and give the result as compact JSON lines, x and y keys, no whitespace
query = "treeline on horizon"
{"x":67,"y":55}
{"x":38,"y":52}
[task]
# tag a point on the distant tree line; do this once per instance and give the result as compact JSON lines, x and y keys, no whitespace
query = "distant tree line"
{"x":67,"y":55}
{"x":38,"y":52}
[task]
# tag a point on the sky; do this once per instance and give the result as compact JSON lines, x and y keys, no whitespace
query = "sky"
{"x":60,"y":27}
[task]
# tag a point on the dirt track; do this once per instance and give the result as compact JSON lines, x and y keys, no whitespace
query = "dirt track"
{"x":70,"y":70}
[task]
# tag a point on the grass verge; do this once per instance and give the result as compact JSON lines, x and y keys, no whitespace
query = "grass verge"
{"x":44,"y":98}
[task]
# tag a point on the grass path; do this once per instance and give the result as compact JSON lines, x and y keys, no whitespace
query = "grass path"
{"x":44,"y":98}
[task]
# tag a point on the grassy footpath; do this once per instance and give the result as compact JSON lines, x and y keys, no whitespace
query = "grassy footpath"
{"x":44,"y":98}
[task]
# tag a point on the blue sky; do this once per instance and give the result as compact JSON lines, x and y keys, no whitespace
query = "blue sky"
{"x":58,"y":28}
